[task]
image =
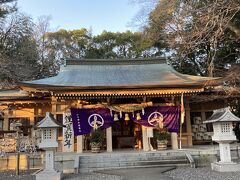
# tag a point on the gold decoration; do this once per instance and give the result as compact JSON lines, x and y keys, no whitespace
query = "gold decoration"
{"x":138,"y":116}
{"x":127,"y":117}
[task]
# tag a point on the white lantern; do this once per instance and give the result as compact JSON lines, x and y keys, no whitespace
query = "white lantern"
{"x":222,"y":120}
{"x":48,"y":142}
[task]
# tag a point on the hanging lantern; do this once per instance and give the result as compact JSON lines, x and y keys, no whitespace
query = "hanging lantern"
{"x":127,"y":117}
{"x":115,"y":117}
{"x":138,"y":116}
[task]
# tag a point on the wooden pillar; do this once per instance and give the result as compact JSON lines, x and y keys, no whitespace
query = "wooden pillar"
{"x":203,"y":116}
{"x":188,"y":124}
{"x":80,"y":144}
{"x":31,"y":118}
{"x":80,"y":138}
{"x":145,"y":139}
{"x":6,"y":121}
{"x":174,"y":140}
{"x":109,"y":139}
{"x":54,"y":106}
{"x":174,"y":135}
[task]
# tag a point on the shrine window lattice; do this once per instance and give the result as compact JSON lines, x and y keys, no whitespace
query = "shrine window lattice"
{"x":47,"y":134}
{"x":225,"y":127}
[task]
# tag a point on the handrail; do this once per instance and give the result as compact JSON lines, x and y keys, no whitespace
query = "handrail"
{"x":191,"y":160}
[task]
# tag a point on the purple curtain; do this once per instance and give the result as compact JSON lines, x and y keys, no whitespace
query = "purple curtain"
{"x":169,"y":115}
{"x":83,"y":119}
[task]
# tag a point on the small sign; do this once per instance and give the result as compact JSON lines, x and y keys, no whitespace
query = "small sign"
{"x":68,"y":136}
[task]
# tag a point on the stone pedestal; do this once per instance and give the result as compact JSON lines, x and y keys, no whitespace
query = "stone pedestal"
{"x":225,"y":153}
{"x":225,"y":164}
{"x":49,"y":173}
{"x":225,"y":167}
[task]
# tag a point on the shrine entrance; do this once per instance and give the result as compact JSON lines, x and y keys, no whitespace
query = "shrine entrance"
{"x":126,"y":134}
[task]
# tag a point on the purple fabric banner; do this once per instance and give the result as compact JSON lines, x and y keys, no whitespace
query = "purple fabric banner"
{"x":169,"y":115}
{"x":84,"y":120}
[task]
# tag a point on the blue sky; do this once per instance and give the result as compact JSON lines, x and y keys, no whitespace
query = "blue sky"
{"x":111,"y":15}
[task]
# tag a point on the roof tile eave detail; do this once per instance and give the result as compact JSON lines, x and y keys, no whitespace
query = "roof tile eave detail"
{"x":138,"y":93}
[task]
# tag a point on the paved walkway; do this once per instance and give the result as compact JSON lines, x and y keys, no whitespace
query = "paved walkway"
{"x":142,"y":173}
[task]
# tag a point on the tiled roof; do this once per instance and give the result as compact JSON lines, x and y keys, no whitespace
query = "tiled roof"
{"x":222,"y":115}
{"x":108,"y":74}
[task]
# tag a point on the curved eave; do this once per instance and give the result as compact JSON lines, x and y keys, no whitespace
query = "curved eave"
{"x":125,"y":93}
{"x":47,"y":87}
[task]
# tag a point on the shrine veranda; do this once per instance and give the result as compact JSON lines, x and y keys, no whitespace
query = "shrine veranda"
{"x":125,"y":88}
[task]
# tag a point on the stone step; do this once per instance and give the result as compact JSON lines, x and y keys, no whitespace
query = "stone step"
{"x":123,"y":159}
{"x":98,"y":162}
{"x":129,"y":155}
{"x":88,"y":170}
{"x":132,"y":163}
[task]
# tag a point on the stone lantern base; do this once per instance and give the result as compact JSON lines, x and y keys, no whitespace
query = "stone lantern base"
{"x":225,"y":167}
{"x":48,"y":175}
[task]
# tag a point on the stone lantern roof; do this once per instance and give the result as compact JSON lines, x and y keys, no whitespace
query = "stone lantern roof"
{"x":48,"y":122}
{"x":222,"y":115}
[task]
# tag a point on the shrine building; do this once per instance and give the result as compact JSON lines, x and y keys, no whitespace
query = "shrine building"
{"x":124,"y":86}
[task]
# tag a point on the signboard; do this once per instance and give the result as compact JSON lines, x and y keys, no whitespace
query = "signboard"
{"x":68,"y":137}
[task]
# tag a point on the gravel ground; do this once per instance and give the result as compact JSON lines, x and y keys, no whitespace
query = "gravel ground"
{"x":10,"y":175}
{"x":26,"y":175}
{"x":204,"y":173}
{"x":184,"y":173}
{"x":91,"y":176}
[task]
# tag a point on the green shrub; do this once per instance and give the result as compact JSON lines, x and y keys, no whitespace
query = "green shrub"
{"x":97,"y":136}
{"x":161,"y":135}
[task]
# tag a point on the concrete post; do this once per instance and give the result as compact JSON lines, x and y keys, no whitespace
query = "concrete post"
{"x":109,"y":139}
{"x":145,"y":139}
{"x":80,"y":144}
{"x":174,"y":140}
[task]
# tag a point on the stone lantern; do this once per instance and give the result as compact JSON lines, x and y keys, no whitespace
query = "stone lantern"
{"x":222,"y":120}
{"x":49,"y":127}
